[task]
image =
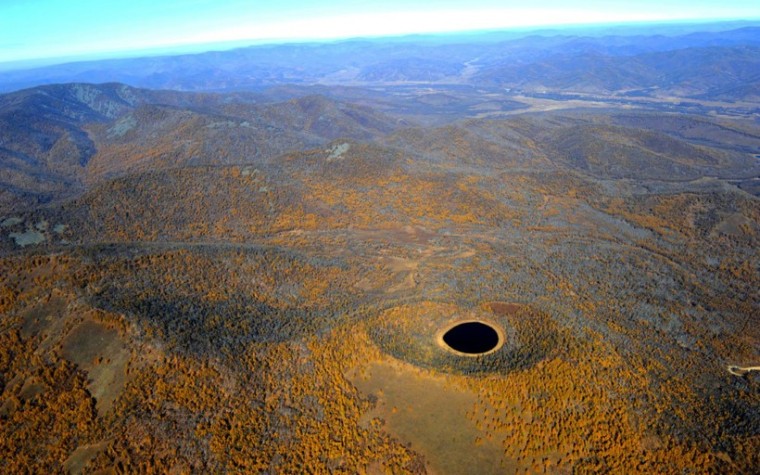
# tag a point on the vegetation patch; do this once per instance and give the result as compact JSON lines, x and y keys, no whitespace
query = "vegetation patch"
{"x":170,"y":294}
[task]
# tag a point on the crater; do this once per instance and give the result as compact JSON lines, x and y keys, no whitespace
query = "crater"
{"x":415,"y":333}
{"x":471,"y":338}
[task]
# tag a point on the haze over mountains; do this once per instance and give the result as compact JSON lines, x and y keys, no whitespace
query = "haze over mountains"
{"x":243,"y":261}
{"x":693,"y":64}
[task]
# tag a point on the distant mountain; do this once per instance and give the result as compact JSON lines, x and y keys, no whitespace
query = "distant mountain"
{"x":569,"y":60}
{"x":691,"y":72}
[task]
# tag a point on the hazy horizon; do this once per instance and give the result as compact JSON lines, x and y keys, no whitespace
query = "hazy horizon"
{"x":45,"y":32}
{"x":517,"y":31}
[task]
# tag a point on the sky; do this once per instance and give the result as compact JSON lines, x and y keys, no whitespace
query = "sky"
{"x":43,"y":29}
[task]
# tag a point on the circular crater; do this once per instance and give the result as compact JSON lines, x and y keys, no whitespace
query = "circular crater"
{"x":471,"y":338}
{"x":493,"y":337}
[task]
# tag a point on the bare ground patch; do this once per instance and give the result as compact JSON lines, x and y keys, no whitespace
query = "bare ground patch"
{"x":431,"y":414}
{"x":78,"y":459}
{"x":100,"y":351}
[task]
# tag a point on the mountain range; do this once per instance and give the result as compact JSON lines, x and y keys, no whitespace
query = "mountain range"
{"x":673,"y":62}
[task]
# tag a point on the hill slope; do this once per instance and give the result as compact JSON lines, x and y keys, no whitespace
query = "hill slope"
{"x":55,"y":139}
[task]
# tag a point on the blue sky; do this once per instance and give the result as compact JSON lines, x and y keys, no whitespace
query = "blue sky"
{"x":35,"y":29}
